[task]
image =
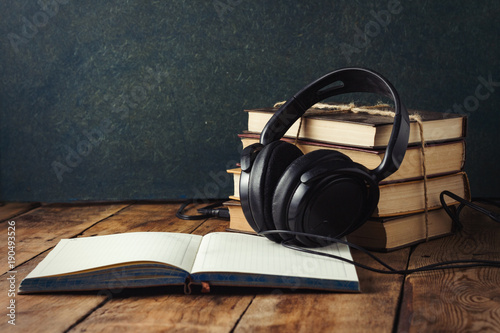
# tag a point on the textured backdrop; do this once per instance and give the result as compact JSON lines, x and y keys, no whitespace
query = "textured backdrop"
{"x":144,"y":99}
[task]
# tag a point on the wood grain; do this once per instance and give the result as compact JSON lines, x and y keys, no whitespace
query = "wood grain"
{"x":54,"y":312}
{"x":144,"y":217}
{"x":11,"y":209}
{"x":372,"y":310}
{"x":36,"y":232}
{"x":458,"y":300}
{"x":64,"y":310}
{"x":154,"y":309}
{"x":43,"y":227}
{"x":157,"y":312}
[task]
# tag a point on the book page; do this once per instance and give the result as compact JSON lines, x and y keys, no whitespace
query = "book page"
{"x":240,"y":253}
{"x":80,"y":254}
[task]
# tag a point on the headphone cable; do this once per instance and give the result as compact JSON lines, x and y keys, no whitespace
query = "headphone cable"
{"x":212,"y":210}
{"x":206,"y":212}
{"x":465,"y":263}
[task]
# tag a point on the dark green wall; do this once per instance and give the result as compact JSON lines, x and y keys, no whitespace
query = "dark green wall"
{"x":140,"y":99}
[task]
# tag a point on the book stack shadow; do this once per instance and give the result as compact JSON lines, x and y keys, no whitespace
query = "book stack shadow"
{"x":403,"y":216}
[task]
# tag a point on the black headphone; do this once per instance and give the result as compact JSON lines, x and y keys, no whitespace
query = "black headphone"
{"x":323,"y":192}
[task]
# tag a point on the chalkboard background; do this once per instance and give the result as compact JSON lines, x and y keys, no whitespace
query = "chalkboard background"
{"x":116,"y":100}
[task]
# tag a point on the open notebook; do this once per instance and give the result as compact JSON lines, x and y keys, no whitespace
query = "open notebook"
{"x":142,"y":259}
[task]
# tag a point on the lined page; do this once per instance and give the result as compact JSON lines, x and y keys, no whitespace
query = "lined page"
{"x":79,"y":254}
{"x":240,"y":253}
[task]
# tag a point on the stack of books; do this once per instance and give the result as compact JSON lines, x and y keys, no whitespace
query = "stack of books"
{"x":402,"y":217}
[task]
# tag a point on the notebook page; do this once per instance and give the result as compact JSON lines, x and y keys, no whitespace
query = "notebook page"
{"x":78,"y":254}
{"x":240,"y":253}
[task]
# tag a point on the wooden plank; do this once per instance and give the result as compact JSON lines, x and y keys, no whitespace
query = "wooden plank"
{"x":154,"y":310}
{"x":157,"y":309}
{"x":59,"y":312}
{"x":144,"y":217}
{"x":10,"y":209}
{"x":43,"y":227}
{"x":373,"y":310}
{"x":37,"y":231}
{"x":465,"y":300}
{"x":43,"y":313}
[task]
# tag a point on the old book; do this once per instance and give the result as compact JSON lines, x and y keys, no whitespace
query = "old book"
{"x":147,"y":259}
{"x":391,"y":233}
{"x":236,"y":172}
{"x":406,"y":197}
{"x":237,"y":220}
{"x":440,"y":158}
{"x":362,"y":129}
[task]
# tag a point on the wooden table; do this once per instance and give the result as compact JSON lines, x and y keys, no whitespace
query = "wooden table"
{"x":454,"y":300}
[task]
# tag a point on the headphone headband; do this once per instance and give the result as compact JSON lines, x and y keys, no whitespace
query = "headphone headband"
{"x":343,"y":81}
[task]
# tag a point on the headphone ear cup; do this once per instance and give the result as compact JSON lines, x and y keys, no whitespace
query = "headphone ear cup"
{"x":269,"y":165}
{"x":335,"y":205}
{"x":290,"y":180}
